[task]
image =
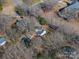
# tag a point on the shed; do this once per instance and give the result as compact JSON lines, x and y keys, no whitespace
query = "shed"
{"x":51,"y":26}
{"x":23,"y":24}
{"x":70,"y":12}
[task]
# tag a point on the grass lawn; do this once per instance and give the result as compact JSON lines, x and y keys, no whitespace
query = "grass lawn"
{"x":1,"y":7}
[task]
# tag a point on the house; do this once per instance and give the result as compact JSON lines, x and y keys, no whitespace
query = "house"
{"x":69,"y":1}
{"x":75,"y":5}
{"x":2,"y":41}
{"x":60,"y":5}
{"x":23,"y":24}
{"x":69,"y":51}
{"x":71,"y":11}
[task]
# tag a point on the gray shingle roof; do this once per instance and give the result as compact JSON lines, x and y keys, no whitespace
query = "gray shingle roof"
{"x":76,"y":5}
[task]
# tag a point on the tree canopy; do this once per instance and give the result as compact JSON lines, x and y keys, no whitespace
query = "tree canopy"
{"x":42,"y":20}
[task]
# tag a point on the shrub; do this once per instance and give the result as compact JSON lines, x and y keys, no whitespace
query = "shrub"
{"x":50,"y":55}
{"x":1,"y":7}
{"x":20,"y":11}
{"x":42,"y":20}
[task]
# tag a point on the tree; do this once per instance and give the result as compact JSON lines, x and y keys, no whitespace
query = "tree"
{"x":20,"y":11}
{"x":1,"y":6}
{"x":42,"y":20}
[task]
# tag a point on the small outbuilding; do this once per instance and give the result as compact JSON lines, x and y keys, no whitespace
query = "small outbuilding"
{"x":51,"y":26}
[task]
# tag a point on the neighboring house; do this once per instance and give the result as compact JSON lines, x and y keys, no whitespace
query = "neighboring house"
{"x":70,"y":12}
{"x":69,"y":51}
{"x":69,"y":1}
{"x":60,"y":5}
{"x":23,"y":24}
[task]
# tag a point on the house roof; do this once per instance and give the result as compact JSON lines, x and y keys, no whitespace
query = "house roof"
{"x":68,"y":50}
{"x":68,"y":12}
{"x":53,"y":26}
{"x":73,"y":6}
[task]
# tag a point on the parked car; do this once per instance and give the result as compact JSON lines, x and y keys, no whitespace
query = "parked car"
{"x":2,"y":41}
{"x":40,"y":31}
